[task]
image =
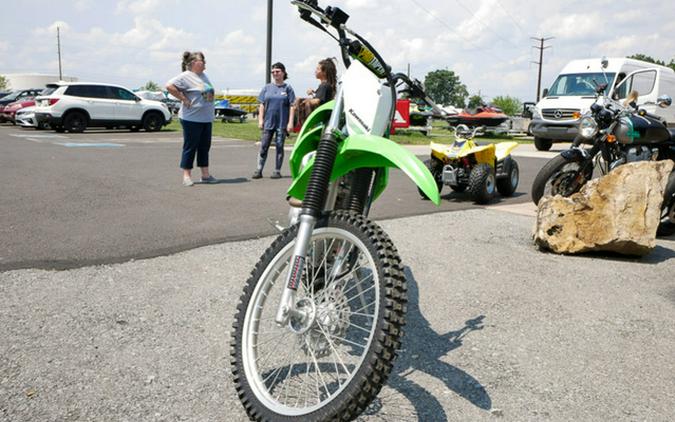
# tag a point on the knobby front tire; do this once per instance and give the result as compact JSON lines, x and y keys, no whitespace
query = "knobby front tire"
{"x":333,"y":364}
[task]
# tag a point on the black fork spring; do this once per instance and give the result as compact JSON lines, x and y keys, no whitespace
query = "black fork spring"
{"x":317,"y":188}
{"x":361,"y":180}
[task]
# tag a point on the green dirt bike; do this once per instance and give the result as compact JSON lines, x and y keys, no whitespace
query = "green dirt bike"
{"x":320,"y":320}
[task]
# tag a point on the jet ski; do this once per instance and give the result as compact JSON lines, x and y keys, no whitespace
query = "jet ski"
{"x":228,"y":113}
{"x":485,"y":115}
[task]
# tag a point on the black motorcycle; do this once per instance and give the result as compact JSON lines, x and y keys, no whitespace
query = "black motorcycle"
{"x":619,"y":132}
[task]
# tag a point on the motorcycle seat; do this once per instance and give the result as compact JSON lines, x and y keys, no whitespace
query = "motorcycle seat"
{"x":672,"y":134}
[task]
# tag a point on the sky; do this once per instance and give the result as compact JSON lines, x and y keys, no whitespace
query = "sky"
{"x":486,"y":42}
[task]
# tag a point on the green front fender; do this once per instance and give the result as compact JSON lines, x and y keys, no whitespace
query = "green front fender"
{"x":359,"y":151}
{"x":309,"y":136}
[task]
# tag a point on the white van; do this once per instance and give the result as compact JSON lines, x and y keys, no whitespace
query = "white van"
{"x":573,"y":91}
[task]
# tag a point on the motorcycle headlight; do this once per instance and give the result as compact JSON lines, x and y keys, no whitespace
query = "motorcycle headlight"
{"x":588,"y":128}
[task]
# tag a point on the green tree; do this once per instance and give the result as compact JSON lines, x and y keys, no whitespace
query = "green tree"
{"x":444,"y":87}
{"x":3,"y":82}
{"x":650,"y":59}
{"x":150,"y":86}
{"x":511,"y":106}
{"x":475,"y":101}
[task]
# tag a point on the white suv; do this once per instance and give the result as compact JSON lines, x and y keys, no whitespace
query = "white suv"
{"x":74,"y":106}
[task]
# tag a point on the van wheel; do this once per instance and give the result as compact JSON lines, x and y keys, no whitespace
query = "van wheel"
{"x":543,"y":144}
{"x":75,"y":122}
{"x":152,"y":122}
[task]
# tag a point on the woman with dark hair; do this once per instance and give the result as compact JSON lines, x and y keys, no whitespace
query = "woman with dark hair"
{"x":275,"y":118}
{"x":195,"y":92}
{"x":326,"y":73}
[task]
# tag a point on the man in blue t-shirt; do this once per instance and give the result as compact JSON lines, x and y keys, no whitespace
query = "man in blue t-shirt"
{"x":275,"y":118}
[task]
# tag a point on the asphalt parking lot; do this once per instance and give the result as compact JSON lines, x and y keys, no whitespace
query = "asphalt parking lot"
{"x":497,"y":330}
{"x":110,"y":196}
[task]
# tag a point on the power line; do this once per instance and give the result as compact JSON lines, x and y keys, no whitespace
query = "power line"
{"x":484,"y":25}
{"x":541,"y":49}
{"x":506,"y":12}
{"x":481,"y":50}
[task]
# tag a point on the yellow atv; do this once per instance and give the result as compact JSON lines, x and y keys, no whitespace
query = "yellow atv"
{"x":478,"y":169}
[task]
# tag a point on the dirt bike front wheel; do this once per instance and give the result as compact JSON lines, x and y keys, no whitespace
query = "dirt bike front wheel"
{"x":331,"y":363}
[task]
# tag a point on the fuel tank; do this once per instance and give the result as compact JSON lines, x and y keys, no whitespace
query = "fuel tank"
{"x":641,"y":130}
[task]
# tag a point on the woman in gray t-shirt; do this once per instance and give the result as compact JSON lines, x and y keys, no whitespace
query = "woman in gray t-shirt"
{"x":195,"y":92}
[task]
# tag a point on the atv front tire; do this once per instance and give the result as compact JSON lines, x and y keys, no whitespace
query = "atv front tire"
{"x":482,"y":183}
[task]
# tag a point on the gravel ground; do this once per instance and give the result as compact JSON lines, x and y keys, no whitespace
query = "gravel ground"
{"x":497,"y":330}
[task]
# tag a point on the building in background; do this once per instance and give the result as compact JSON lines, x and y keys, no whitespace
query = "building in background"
{"x":32,"y":80}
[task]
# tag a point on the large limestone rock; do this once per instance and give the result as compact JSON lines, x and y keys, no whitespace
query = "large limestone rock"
{"x":619,"y":212}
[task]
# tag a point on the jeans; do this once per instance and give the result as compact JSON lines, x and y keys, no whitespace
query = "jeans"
{"x":265,"y":141}
{"x":196,"y":140}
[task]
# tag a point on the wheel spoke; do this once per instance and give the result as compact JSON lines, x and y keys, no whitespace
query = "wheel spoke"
{"x":361,"y":293}
{"x":332,"y":346}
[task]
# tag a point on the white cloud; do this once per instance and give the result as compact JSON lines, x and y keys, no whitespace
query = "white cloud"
{"x":362,"y":4}
{"x":83,"y":5}
{"x":138,"y":7}
{"x":629,"y":44}
{"x":571,"y":27}
{"x":486,"y":42}
{"x":50,"y":31}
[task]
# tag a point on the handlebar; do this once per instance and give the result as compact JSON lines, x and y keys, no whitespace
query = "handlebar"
{"x":358,"y":49}
{"x":643,"y":112}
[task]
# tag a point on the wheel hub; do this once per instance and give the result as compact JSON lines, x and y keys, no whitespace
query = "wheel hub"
{"x":304,"y":316}
{"x":332,"y":320}
{"x":565,"y":183}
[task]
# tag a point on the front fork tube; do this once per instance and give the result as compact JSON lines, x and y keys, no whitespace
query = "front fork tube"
{"x":287,"y":307}
{"x":307,"y":220}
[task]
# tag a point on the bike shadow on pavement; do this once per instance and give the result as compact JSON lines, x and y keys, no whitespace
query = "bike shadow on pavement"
{"x":423,"y":349}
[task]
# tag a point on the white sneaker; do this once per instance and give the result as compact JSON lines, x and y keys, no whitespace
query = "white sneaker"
{"x":187,"y":181}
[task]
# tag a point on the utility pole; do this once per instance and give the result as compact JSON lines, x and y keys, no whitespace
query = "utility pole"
{"x":269,"y":41}
{"x":58,"y":46}
{"x":541,"y":49}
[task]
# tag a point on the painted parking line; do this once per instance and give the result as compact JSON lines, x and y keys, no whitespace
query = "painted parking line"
{"x":89,"y":145}
{"x":38,"y":135}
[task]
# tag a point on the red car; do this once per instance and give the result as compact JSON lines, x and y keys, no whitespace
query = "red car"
{"x":17,"y":96}
{"x":8,"y":112}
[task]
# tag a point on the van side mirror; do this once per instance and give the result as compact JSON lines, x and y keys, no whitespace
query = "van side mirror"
{"x":664,"y":101}
{"x":545,"y":93}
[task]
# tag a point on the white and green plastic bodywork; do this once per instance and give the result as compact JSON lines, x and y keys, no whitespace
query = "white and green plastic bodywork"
{"x":357,"y":149}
